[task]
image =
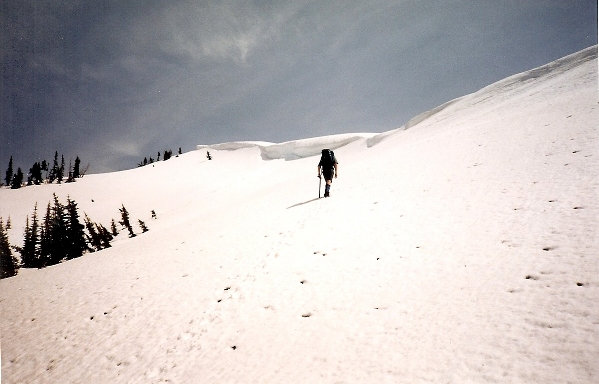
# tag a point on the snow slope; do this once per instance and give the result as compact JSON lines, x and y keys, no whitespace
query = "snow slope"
{"x":463,"y":249}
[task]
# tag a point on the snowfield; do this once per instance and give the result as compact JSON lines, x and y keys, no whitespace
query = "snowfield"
{"x":463,"y":249}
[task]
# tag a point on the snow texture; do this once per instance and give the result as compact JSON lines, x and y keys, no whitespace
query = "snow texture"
{"x":463,"y":249}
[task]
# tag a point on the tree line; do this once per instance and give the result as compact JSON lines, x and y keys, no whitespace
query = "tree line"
{"x":165,"y":156}
{"x":59,"y":236}
{"x":41,"y":172}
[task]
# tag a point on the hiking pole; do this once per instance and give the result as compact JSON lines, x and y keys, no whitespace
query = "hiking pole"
{"x":319,"y":182}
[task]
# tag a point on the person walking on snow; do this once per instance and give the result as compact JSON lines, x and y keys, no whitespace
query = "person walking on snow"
{"x":328,"y":168}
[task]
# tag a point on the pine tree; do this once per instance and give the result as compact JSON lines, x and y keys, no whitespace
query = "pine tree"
{"x":35,"y":174}
{"x":70,"y":177}
{"x":77,"y":169}
{"x":113,"y":229}
{"x":143,"y":226}
{"x":9,"y":265}
{"x":60,"y":176}
{"x":45,"y":250}
{"x":75,"y":234}
{"x":59,"y":232}
{"x":17,"y":180}
{"x":105,"y":236}
{"x":125,"y":221}
{"x":30,"y":177}
{"x":53,"y":173}
{"x":93,"y":237}
{"x":30,"y":250}
{"x":44,"y":167}
{"x":9,"y":173}
{"x":26,"y":251}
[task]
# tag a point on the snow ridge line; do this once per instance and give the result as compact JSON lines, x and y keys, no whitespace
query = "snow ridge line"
{"x":293,"y":150}
{"x":298,"y":149}
{"x":549,"y":70}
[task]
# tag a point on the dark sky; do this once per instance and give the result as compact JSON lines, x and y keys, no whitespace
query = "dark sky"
{"x":115,"y":81}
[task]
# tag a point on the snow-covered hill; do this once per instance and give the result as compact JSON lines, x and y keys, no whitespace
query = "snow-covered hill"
{"x":460,"y":248}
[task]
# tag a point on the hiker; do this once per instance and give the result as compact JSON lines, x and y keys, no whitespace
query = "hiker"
{"x":327,"y":167}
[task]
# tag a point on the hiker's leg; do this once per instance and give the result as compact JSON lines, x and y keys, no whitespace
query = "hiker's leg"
{"x":327,"y":188}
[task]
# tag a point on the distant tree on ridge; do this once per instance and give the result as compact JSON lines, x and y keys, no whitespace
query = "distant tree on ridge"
{"x":17,"y":180}
{"x":9,"y":173}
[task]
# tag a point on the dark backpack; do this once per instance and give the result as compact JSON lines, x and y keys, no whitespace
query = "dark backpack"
{"x":327,"y":158}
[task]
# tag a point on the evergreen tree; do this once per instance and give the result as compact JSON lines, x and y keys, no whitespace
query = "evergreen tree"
{"x":9,"y":265}
{"x":60,"y":175}
{"x":143,"y":226}
{"x":53,"y":173}
{"x":113,"y":229}
{"x":59,"y":233}
{"x":30,"y":177}
{"x":93,"y":236}
{"x":70,"y":177}
{"x":53,"y":236}
{"x":75,"y":234}
{"x":45,"y":250}
{"x":37,"y":173}
{"x":125,"y":221}
{"x":105,"y":236}
{"x":30,"y":250}
{"x":9,"y":173}
{"x":44,"y":167}
{"x":17,"y":180}
{"x":77,"y":168}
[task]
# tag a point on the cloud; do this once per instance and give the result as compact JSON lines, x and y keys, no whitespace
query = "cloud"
{"x":200,"y":31}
